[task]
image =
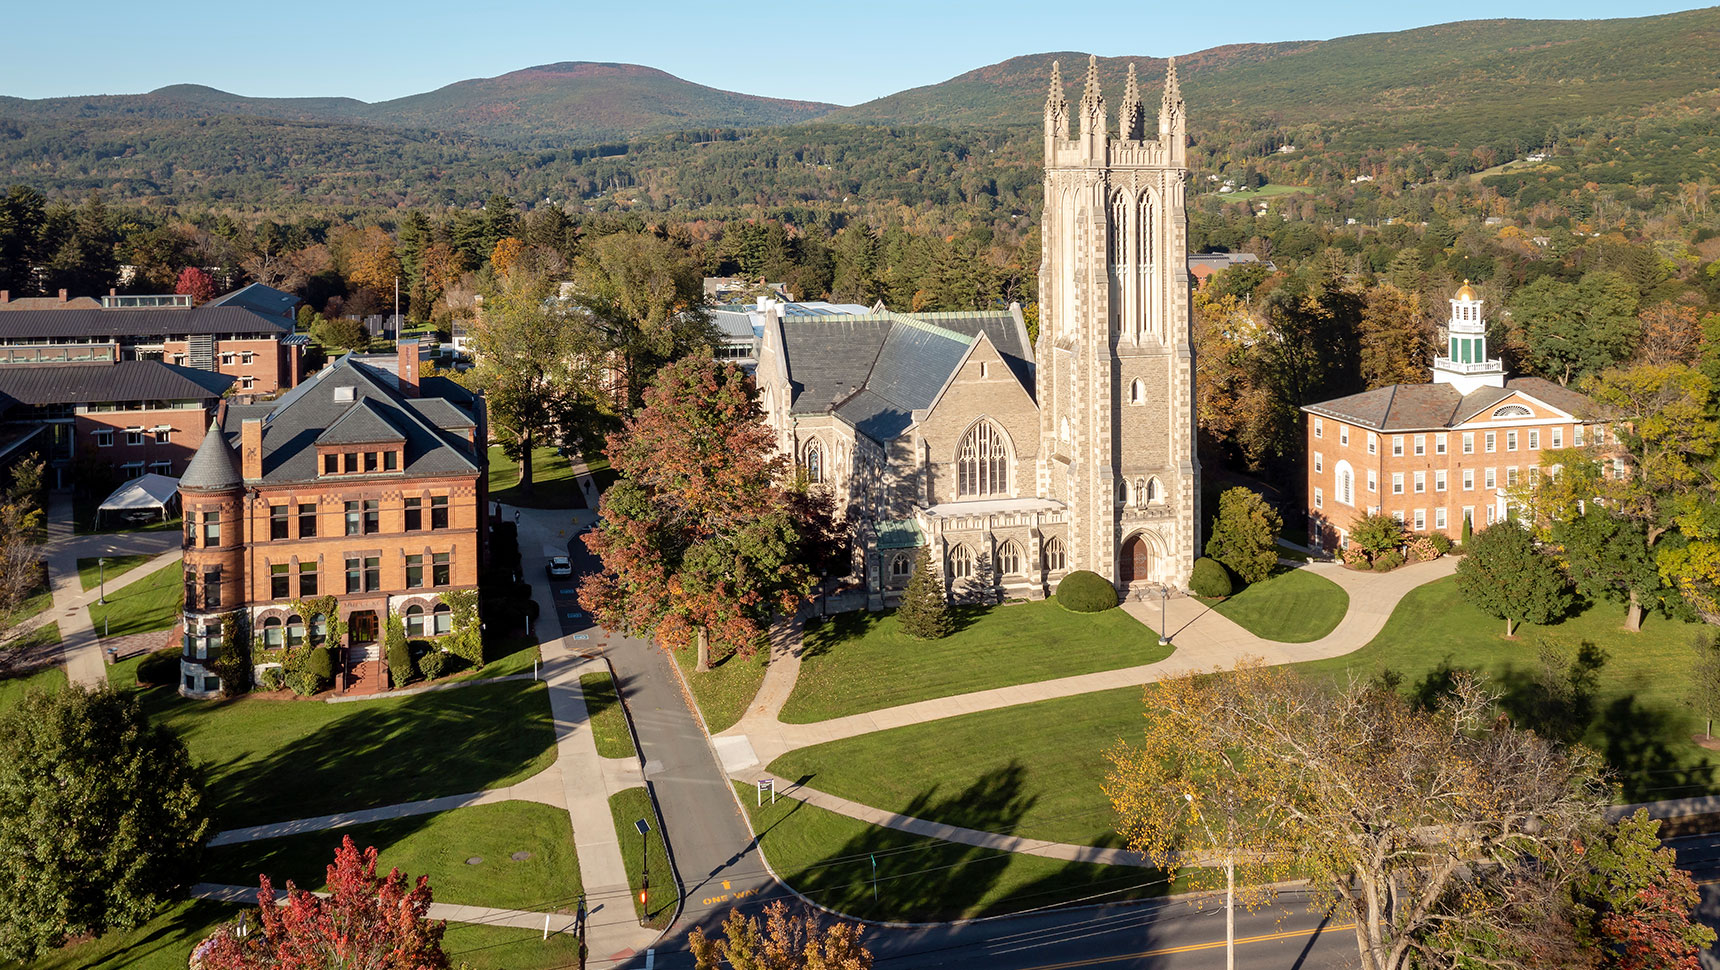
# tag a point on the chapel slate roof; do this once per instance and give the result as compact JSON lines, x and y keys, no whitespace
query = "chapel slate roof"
{"x":48,"y":324}
{"x":293,"y":425}
{"x":126,"y":380}
{"x":876,"y":369}
{"x":214,"y":466}
{"x":1416,"y":407}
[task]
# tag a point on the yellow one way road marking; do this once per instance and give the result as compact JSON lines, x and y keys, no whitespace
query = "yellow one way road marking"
{"x":1193,"y":947}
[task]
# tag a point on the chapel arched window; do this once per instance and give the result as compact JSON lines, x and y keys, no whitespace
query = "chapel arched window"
{"x":982,"y":464}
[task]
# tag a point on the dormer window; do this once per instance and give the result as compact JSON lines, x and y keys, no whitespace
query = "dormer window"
{"x":343,"y":395}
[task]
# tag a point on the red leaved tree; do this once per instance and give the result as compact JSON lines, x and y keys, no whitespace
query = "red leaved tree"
{"x":362,"y":923}
{"x":701,"y":536}
{"x":198,"y":284}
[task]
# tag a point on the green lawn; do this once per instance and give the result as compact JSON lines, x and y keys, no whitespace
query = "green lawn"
{"x":1290,"y":606}
{"x":163,"y":943}
{"x":724,"y":691}
{"x":439,"y":846}
{"x":500,"y":948}
{"x":273,"y":759}
{"x":38,"y":600}
{"x":152,"y":603}
{"x":13,"y":689}
{"x":505,"y":656}
{"x":553,"y":483}
{"x":90,"y":570}
{"x":625,"y":807}
{"x":829,"y":858}
{"x":863,"y":661}
{"x":608,"y":720}
{"x":1264,"y":192}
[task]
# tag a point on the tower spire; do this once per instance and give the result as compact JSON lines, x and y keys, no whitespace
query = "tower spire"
{"x":1171,"y":107}
{"x":1056,"y":105}
{"x":1092,"y":100}
{"x":1130,"y":114}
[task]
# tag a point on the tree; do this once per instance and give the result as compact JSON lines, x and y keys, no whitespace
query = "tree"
{"x":1608,"y":558}
{"x":22,"y":532}
{"x":507,"y":255}
{"x":1577,"y":329}
{"x":193,"y":282}
{"x":699,"y":536}
{"x":924,"y":613}
{"x":1396,"y":337}
{"x":365,"y":922}
{"x":1376,"y":533}
{"x":1443,"y":833}
{"x":647,"y":300}
{"x":1245,"y":537}
{"x":1671,"y":334}
{"x":784,"y":942}
{"x":1705,"y":677}
{"x":1633,"y":903}
{"x":1503,"y":574}
{"x":101,"y":817}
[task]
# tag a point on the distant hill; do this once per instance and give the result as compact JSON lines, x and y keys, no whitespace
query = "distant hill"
{"x":569,"y":102}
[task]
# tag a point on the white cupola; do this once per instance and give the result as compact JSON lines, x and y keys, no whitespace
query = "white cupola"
{"x":1466,"y":365}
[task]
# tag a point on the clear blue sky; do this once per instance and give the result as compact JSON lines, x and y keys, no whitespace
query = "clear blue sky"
{"x":844,"y":52}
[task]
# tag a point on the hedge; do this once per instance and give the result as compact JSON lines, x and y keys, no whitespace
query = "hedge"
{"x":1209,"y":579}
{"x":1083,"y":591}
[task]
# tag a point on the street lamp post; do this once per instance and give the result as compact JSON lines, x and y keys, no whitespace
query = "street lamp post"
{"x":644,"y":828}
{"x":1164,"y":624}
{"x":1229,"y":889}
{"x":101,"y":573}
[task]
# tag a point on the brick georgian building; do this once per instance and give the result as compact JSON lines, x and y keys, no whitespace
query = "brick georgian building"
{"x":1434,"y":454}
{"x":365,"y":484}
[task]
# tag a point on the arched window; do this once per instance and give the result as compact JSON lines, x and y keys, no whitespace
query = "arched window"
{"x":1123,"y":491}
{"x":1346,"y":483}
{"x":444,"y":619}
{"x":1055,"y":559}
{"x":415,"y":620}
{"x":982,"y":464}
{"x":901,"y":567}
{"x":1009,"y":559}
{"x":295,"y":630}
{"x":1138,"y":392}
{"x":814,"y":462}
{"x":318,"y":628}
{"x":1512,"y":411}
{"x":272,"y":632}
{"x":961,"y":562}
{"x":1153,"y":491}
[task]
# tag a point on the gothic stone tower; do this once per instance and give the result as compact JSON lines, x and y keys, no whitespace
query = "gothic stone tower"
{"x":1115,"y":358}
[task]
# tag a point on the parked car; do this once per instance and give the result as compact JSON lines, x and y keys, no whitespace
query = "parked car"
{"x":560,"y":567}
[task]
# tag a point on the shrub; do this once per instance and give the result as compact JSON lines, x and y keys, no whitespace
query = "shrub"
{"x":1354,"y":557}
{"x":433,"y":664}
{"x":399,"y":656}
{"x":1083,"y":591}
{"x":272,"y":678}
{"x":1441,"y":542}
{"x":1387,"y":561}
{"x":319,"y":664}
{"x":302,"y":683}
{"x":1376,"y":533}
{"x":1209,"y":579}
{"x":159,"y":669}
{"x":1423,"y":549}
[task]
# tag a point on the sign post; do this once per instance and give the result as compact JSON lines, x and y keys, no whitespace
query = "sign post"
{"x":764,"y":785}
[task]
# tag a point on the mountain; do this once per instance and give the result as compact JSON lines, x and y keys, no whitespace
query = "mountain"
{"x":569,"y":102}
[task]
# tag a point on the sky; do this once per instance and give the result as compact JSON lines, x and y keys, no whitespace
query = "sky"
{"x":811,"y":50}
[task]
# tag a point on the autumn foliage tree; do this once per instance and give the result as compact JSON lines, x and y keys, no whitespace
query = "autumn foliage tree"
{"x":364,"y":922}
{"x":195,"y":283}
{"x":783,"y":942}
{"x":700,"y":536}
{"x":1632,"y":903}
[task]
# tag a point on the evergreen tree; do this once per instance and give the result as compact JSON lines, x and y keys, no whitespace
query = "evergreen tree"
{"x":924,"y":614}
{"x":1505,"y":575}
{"x":1245,"y":537}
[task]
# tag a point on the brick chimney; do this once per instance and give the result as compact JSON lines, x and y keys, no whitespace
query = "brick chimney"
{"x":251,"y":449}
{"x":62,"y":296}
{"x":410,"y":361}
{"x":5,"y":297}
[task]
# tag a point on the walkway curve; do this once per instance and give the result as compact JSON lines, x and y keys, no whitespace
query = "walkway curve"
{"x":1204,"y":639}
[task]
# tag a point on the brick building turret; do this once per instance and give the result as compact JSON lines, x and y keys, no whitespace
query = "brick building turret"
{"x":212,"y":495}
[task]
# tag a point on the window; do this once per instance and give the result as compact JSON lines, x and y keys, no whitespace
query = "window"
{"x":814,"y":462}
{"x":354,"y":519}
{"x":212,"y":528}
{"x":307,"y":520}
{"x":212,"y":587}
{"x":1397,"y":483}
{"x":1512,"y":411}
{"x":415,"y":621}
{"x":1439,"y":480}
{"x":414,"y":514}
{"x":1469,"y":442}
{"x":1420,"y":519}
{"x":273,"y":631}
{"x":901,"y":567}
{"x":1577,"y":435}
{"x":227,"y":360}
{"x":372,"y":517}
{"x":295,"y":631}
{"x":1469,"y":515}
{"x":279,"y":581}
{"x":163,"y":436}
{"x":1421,"y":444}
{"x":331,"y":464}
{"x":1319,"y":428}
{"x":161,"y":467}
{"x":370,"y":461}
{"x":1439,"y":518}
{"x":1510,"y":441}
{"x":1137,"y":391}
{"x":1152,"y":490}
{"x":391,"y":461}
{"x":1373,"y":483}
{"x":1600,"y":435}
{"x":1009,"y":559}
{"x":438,"y":511}
{"x":414,"y":572}
{"x":1491,"y":511}
{"x":134,"y":436}
{"x":372,"y":573}
{"x":1343,"y":434}
{"x":961,"y":562}
{"x":1055,"y":559}
{"x":318,"y":628}
{"x":1420,"y":482}
{"x":354,"y":576}
{"x":1492,"y":442}
{"x":1489,"y":479}
{"x":1318,"y":463}
{"x":1319,"y":500}
{"x":349,"y":462}
{"x":277,"y":522}
{"x":1397,"y":514}
{"x":1469,"y":479}
{"x":1397,"y":446}
{"x":1373,"y":443}
{"x":104,"y":439}
{"x":1439,"y":443}
{"x":444,"y":619}
{"x":1511,"y":476}
{"x":1534,"y":441}
{"x":307,"y":579}
{"x":245,"y":358}
{"x":982,"y":368}
{"x":982,"y":467}
{"x":1558,"y":437}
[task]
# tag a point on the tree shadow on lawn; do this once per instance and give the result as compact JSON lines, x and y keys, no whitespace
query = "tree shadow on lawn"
{"x":824,"y":634}
{"x":370,"y":754}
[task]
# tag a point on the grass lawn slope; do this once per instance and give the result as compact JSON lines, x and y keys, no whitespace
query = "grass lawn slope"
{"x":608,"y":721}
{"x":13,"y":688}
{"x":1290,"y":606}
{"x":828,"y":858}
{"x":440,"y":846}
{"x":863,"y":661}
{"x":626,"y":807}
{"x":90,"y":571}
{"x":724,"y":691}
{"x":163,"y":943}
{"x":553,"y":483}
{"x":151,"y":603}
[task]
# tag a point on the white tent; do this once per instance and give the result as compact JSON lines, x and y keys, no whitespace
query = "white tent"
{"x":143,"y":497}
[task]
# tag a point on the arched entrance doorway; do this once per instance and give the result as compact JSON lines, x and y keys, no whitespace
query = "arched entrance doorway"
{"x":1136,"y":563}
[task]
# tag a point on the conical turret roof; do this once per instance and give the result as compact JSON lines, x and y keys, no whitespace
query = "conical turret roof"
{"x":212,"y":469}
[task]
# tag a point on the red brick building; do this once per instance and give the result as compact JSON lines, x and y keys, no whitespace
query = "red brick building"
{"x":365,"y":484}
{"x":1435,"y":454}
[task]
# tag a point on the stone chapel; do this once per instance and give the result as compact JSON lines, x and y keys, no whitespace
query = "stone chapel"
{"x":1017,"y":462}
